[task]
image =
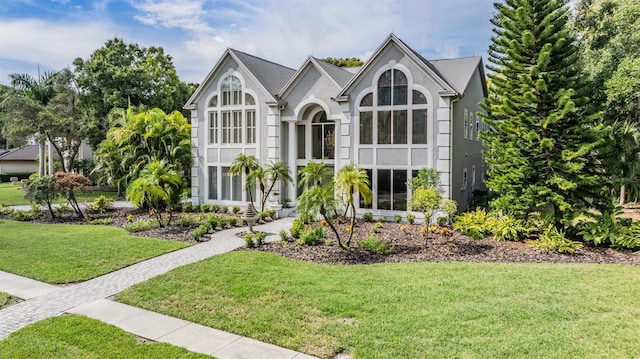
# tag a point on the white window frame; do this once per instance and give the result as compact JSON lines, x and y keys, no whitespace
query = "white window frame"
{"x":466,"y":122}
{"x":464,"y":179}
{"x":214,"y":128}
{"x":250,"y":118}
{"x":473,"y":176}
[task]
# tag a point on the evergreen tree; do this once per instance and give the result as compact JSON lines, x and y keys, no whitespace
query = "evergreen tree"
{"x":541,"y":149}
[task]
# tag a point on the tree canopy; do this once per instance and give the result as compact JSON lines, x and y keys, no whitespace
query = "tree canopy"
{"x":344,"y":61}
{"x":542,"y":152}
{"x":120,"y":74}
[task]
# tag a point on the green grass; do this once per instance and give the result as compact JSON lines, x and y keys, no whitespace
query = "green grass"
{"x":4,"y":299}
{"x":72,"y":336}
{"x":60,"y":253}
{"x":11,"y":195}
{"x":410,"y":310}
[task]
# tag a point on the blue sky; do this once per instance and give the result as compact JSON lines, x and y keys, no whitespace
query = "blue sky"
{"x":52,"y":33}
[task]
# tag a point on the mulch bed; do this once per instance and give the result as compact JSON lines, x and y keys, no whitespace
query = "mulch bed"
{"x":410,"y":246}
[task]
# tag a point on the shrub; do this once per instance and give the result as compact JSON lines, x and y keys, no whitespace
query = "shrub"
{"x":232,"y":221}
{"x":62,"y":209}
{"x":552,"y":240}
{"x":224,"y":209}
{"x":381,"y":219}
{"x":377,"y":227}
{"x":260,"y":237}
{"x":201,"y":231}
{"x":376,"y":245}
{"x":411,"y":218}
{"x":262,"y":215}
{"x":442,"y":221}
{"x":142,"y":225}
{"x":311,"y":237}
{"x":271,"y":213}
{"x":23,"y":216}
{"x":186,"y":221}
{"x":450,"y":207}
{"x":235,"y":209}
{"x":506,"y":227}
{"x":367,"y":216}
{"x":213,"y":220}
{"x":222,"y":221}
{"x":307,"y":217}
{"x":403,"y":227}
{"x":472,"y":224}
{"x":100,"y":205}
{"x":196,"y":208}
{"x":283,"y":235}
{"x":248,"y":240}
{"x":42,"y":191}
{"x":4,"y":210}
{"x":397,"y":218}
{"x":101,"y":221}
{"x":215,"y":207}
{"x":205,"y":208}
{"x":296,"y":228}
{"x":187,"y":207}
{"x":446,"y":232}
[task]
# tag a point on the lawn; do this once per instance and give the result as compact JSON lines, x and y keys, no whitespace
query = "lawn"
{"x":63,"y":253}
{"x":72,"y":336}
{"x":408,"y":310}
{"x":4,"y":299}
{"x":13,"y":195}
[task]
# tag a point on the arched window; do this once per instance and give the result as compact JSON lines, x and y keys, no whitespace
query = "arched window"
{"x":322,"y":137}
{"x":231,"y":121}
{"x":231,"y":90}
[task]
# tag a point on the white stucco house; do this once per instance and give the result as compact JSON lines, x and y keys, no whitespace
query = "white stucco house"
{"x":393,"y":116}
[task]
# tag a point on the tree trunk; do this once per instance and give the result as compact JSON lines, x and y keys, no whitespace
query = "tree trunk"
{"x":623,"y":194}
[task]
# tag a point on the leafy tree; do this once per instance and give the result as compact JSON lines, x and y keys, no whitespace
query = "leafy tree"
{"x":119,"y":75}
{"x":314,"y":174}
{"x":68,"y":184}
{"x":275,"y":171}
{"x":622,"y":157}
{"x":542,"y":153}
{"x":320,"y":199}
{"x":138,"y":139}
{"x":42,"y":191}
{"x":245,"y":164}
{"x":344,"y":61}
{"x":351,"y":180}
{"x":426,"y":177}
{"x":428,"y":200}
{"x":158,"y":187}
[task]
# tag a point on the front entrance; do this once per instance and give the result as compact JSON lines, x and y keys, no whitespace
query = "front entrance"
{"x":315,"y":140}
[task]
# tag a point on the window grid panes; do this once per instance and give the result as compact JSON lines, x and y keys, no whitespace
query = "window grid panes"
{"x":237,"y":127}
{"x":213,"y":182}
{"x":392,"y":190}
{"x":213,"y":127}
{"x":419,"y":127}
{"x":366,"y":128}
{"x":226,"y":127}
{"x":251,"y":126}
{"x":322,"y":137}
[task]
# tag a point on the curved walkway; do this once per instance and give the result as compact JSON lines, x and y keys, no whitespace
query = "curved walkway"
{"x":88,"y":298}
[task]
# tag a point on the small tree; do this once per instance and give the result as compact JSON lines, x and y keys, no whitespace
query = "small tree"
{"x":427,"y":200}
{"x":247,"y":164}
{"x":352,"y":179}
{"x":278,"y":171}
{"x":159,"y":188}
{"x":426,"y":177}
{"x":450,"y":207}
{"x":68,"y":184}
{"x":322,"y":200}
{"x":42,"y":191}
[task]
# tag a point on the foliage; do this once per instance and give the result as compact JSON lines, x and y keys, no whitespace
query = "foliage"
{"x":377,"y":227}
{"x":442,"y":221}
{"x":542,"y":150}
{"x":248,"y":240}
{"x":119,"y":75}
{"x":283,"y":235}
{"x":247,"y":165}
{"x":344,"y":61}
{"x":276,"y":172}
{"x":141,"y":225}
{"x":186,"y":221}
{"x":610,"y":230}
{"x":296,"y":228}
{"x":101,"y":204}
{"x":43,"y":191}
{"x":367,"y":216}
{"x":472,"y":223}
{"x":506,"y":227}
{"x":201,"y":231}
{"x":376,"y":245}
{"x":427,"y":200}
{"x":235,"y":209}
{"x":552,"y":240}
{"x":314,"y":174}
{"x":68,"y":184}
{"x":311,"y":237}
{"x":352,"y":180}
{"x":411,"y":218}
{"x":621,"y":157}
{"x":320,"y":199}
{"x":427,"y":177}
{"x":158,"y":188}
{"x":260,"y":237}
{"x":139,"y":138}
{"x":450,"y":207}
{"x":101,"y":221}
{"x":397,"y":218}
{"x":24,"y":216}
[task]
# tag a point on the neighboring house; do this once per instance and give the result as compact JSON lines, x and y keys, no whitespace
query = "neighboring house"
{"x":396,"y":114}
{"x":25,"y":158}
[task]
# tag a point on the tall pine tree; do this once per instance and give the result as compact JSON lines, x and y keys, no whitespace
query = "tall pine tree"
{"x":541,"y":149}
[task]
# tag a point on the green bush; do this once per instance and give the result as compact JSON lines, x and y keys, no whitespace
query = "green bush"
{"x":248,"y":240}
{"x":215,"y":207}
{"x":201,"y":231}
{"x":187,"y":207}
{"x":224,"y":209}
{"x":367,"y":216}
{"x":142,"y":225}
{"x":551,"y":240}
{"x":213,"y":220}
{"x":411,"y":218}
{"x":101,"y":221}
{"x":260,"y":237}
{"x":233,"y":221}
{"x":473,"y":224}
{"x":102,"y":204}
{"x":377,"y":227}
{"x":441,"y":221}
{"x":23,"y":216}
{"x":506,"y":227}
{"x":186,"y":221}
{"x":397,"y":218}
{"x":376,"y":245}
{"x":283,"y":235}
{"x":5,"y":210}
{"x":235,"y":209}
{"x":205,"y":208}
{"x":262,"y":215}
{"x":311,"y":237}
{"x":271,"y":213}
{"x":296,"y":228}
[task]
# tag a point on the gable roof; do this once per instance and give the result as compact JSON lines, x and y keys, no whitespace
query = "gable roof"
{"x":268,"y":74}
{"x":335,"y":75}
{"x":24,"y":153}
{"x":429,"y":68}
{"x":459,"y":71}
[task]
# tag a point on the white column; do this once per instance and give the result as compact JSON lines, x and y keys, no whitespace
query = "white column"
{"x":273,"y":134}
{"x":443,"y":143}
{"x":196,"y":173}
{"x":50,"y":150}
{"x":291,"y":187}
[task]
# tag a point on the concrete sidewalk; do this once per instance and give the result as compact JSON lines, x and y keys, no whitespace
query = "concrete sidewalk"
{"x":88,"y":298}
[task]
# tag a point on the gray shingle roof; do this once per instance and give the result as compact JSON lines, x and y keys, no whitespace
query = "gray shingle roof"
{"x":24,"y":153}
{"x":272,"y":76}
{"x":338,"y":74}
{"x":458,"y":71}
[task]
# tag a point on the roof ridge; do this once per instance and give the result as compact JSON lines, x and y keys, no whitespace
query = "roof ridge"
{"x":262,"y":59}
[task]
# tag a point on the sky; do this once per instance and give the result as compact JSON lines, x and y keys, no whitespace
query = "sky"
{"x":50,"y":34}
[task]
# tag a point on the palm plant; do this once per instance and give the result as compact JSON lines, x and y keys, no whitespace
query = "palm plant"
{"x":321,"y":199}
{"x":41,"y":90}
{"x":278,"y":171}
{"x":622,"y":156}
{"x":350,"y":180}
{"x":247,"y":164}
{"x":314,"y":174}
{"x":158,"y":187}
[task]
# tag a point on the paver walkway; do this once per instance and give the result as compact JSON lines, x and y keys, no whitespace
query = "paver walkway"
{"x":88,"y":298}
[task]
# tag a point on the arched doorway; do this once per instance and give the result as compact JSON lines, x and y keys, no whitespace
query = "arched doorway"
{"x":315,"y":139}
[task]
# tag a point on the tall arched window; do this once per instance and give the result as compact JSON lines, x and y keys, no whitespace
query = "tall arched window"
{"x":322,"y":137}
{"x":230,"y":120}
{"x":391,"y":114}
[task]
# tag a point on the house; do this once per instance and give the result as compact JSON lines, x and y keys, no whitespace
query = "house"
{"x":393,"y":116}
{"x":25,"y":159}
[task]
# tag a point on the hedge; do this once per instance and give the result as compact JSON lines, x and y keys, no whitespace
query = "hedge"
{"x":6,"y":177}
